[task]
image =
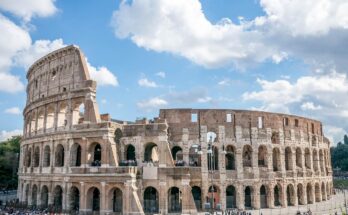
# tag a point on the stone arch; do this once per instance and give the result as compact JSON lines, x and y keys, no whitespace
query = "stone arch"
{"x":41,"y":119}
{"x":151,"y":153}
{"x":309,"y":191}
{"x":307,"y":158}
{"x":231,"y":197}
{"x":300,"y":194}
{"x":33,"y":121}
{"x":230,"y":158}
{"x":277,"y":192}
{"x":197,"y":197}
{"x":288,"y":158}
{"x":59,"y":155}
{"x":93,"y":199}
{"x":57,"y":198}
{"x":116,"y":200}
{"x":247,"y":156}
{"x":290,"y":195}
{"x":47,"y":156}
{"x":195,"y":155}
{"x":262,"y":156}
{"x":276,"y":159}
{"x":28,"y":157}
{"x":248,"y":195}
{"x":95,"y":154}
{"x":75,"y":155}
{"x":214,"y":195}
{"x":118,"y":135}
{"x":174,"y":200}
{"x":315,"y":160}
{"x":61,"y":116}
{"x":263,"y":197}
{"x":323,"y":195}
{"x":151,"y":200}
{"x":44,"y":196}
{"x":78,"y":112}
{"x":213,"y":158}
{"x":36,"y":160}
{"x":317,"y":192}
{"x":34,"y":192}
{"x":177,"y":153}
{"x":74,"y":199}
{"x":50,"y":116}
{"x":130,"y":152}
{"x":299,"y":157}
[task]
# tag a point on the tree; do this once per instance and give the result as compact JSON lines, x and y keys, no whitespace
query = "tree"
{"x":345,"y":139}
{"x":9,"y":161}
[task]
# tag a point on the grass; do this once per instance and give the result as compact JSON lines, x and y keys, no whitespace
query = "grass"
{"x":340,"y":183}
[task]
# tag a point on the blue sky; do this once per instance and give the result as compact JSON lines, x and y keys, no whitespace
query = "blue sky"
{"x":267,"y":55}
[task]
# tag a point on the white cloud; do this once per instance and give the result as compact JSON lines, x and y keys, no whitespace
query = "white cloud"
{"x":144,"y":82}
{"x":161,"y":74}
{"x":26,"y":9}
{"x":310,"y":106}
{"x":102,"y":75}
{"x":152,"y":24}
{"x":10,"y":83}
{"x":204,"y":99}
{"x":13,"y":110}
{"x":4,"y":135}
{"x":224,"y":82}
{"x":334,"y":134}
{"x":152,"y":103}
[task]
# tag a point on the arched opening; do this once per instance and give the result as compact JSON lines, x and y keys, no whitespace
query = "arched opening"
{"x":307,"y":158}
{"x":231,"y":197}
{"x":309,"y":194}
{"x":151,"y":153}
{"x":263,"y":197}
{"x":59,"y":162}
{"x":195,"y":156}
{"x":93,"y":199}
{"x":57,"y":198}
{"x":116,"y":200}
{"x":44,"y":196}
{"x":75,"y":155}
{"x":300,"y":194}
{"x":230,"y":158}
{"x":262,"y":156}
{"x":317,"y":193}
{"x":213,"y":159}
{"x":34,"y":196}
{"x":197,"y":197}
{"x":151,"y":200}
{"x":50,"y":117}
{"x":290,"y":195}
{"x":213,"y":196}
{"x":177,"y":153}
{"x":36,"y":156}
{"x":299,"y":157}
{"x":78,"y":113}
{"x":315,"y":160}
{"x":40,"y":120}
{"x":277,"y":196}
{"x":323,"y":195}
{"x":95,"y":154}
{"x":247,"y":197}
{"x":118,"y":136}
{"x":276,"y":159}
{"x":174,"y":200}
{"x":247,"y":156}
{"x":61,"y":117}
{"x":130,"y":153}
{"x":47,"y":156}
{"x":28,"y":158}
{"x":26,"y":193}
{"x":288,"y":158}
{"x":33,"y":122}
{"x":74,"y":203}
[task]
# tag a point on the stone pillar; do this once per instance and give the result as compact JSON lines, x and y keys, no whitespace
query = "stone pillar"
{"x":293,"y":159}
{"x":65,"y":196}
{"x":52,"y":156}
{"x":223,"y":196}
{"x":83,"y":200}
{"x":283,"y":197}
{"x":256,"y":197}
{"x":270,"y":196}
{"x":239,"y":162}
{"x":240,"y":197}
{"x":45,"y":119}
{"x":296,"y":200}
{"x":56,"y":110}
{"x":103,"y":205}
{"x":163,"y":205}
{"x":84,"y":144}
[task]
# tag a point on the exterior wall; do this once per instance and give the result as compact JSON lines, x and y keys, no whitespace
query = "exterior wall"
{"x":70,"y":151}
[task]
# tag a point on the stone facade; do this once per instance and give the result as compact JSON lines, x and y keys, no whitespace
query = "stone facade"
{"x":73,"y":158}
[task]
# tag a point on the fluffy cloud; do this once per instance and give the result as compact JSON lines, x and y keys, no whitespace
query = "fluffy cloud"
{"x":152,"y":24}
{"x":26,"y":9}
{"x":144,"y":82}
{"x":4,"y":135}
{"x":152,"y":103}
{"x":13,"y":110}
{"x":10,"y":83}
{"x":161,"y":74}
{"x":102,"y":75}
{"x":310,"y":106}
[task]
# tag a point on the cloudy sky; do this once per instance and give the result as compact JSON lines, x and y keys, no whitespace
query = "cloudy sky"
{"x":275,"y":55}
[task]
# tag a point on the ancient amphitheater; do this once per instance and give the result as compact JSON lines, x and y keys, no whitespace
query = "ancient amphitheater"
{"x":74,"y":158}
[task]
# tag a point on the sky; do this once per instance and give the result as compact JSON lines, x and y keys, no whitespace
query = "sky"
{"x":287,"y":56}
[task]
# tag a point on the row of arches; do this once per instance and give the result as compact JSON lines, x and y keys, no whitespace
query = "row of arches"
{"x":32,"y":156}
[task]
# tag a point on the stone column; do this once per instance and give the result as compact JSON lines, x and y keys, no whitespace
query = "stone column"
{"x":84,"y":144}
{"x":240,"y":197}
{"x":45,"y":119}
{"x":293,"y":160}
{"x":256,"y":197}
{"x":239,"y":162}
{"x":270,"y":196}
{"x":65,"y":196}
{"x":103,"y":205}
{"x":56,"y":110}
{"x":83,"y":200}
{"x":283,"y":197}
{"x":296,"y":200}
{"x":163,"y":204}
{"x":223,"y":196}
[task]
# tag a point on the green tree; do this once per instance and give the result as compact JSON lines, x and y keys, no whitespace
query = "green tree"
{"x":9,"y":160}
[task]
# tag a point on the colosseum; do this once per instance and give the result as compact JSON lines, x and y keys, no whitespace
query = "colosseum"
{"x":182,"y":162}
